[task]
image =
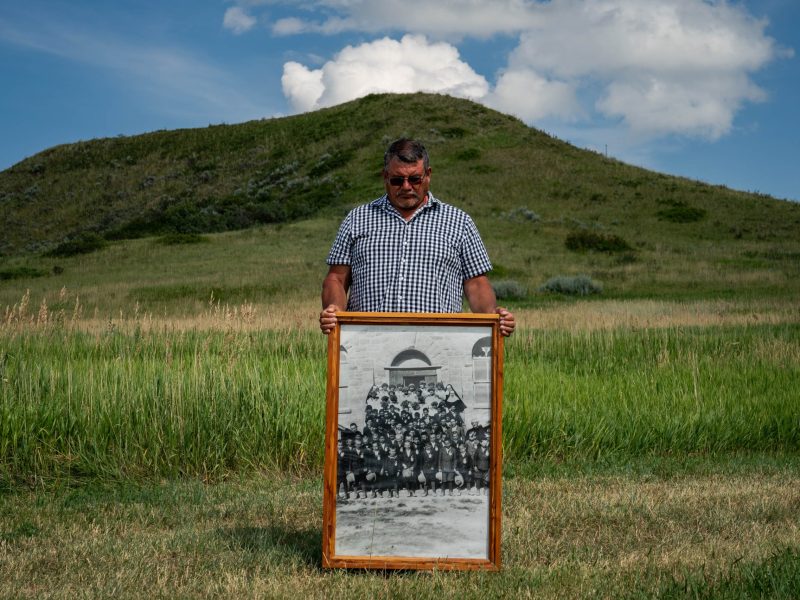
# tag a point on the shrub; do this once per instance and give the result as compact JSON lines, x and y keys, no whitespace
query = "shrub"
{"x":572,"y":285}
{"x":681,"y":212}
{"x":521,"y":214}
{"x":83,"y":243}
{"x":509,"y":289}
{"x":468,"y":154}
{"x":20,"y":273}
{"x":601,"y":242}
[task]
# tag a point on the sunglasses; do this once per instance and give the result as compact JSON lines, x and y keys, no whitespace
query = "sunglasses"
{"x":412,"y":180}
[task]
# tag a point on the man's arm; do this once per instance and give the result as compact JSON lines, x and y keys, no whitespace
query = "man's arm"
{"x":334,"y":295}
{"x":481,"y":299}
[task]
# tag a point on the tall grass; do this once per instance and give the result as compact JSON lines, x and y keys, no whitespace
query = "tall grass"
{"x":116,"y":405}
{"x":659,"y":390}
{"x":170,"y":402}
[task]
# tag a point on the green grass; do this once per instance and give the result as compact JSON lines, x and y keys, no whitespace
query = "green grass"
{"x":118,"y":405}
{"x":661,"y":390}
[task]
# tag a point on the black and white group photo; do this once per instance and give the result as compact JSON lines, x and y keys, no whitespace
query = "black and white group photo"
{"x":413,"y":447}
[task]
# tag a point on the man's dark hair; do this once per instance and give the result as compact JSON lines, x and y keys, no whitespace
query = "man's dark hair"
{"x":407,"y":151}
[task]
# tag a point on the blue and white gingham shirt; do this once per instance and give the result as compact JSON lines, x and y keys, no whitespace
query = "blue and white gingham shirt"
{"x":408,"y":266}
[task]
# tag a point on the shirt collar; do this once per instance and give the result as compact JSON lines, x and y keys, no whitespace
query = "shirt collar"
{"x":384,"y":204}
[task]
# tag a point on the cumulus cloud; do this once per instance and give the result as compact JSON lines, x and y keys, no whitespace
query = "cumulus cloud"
{"x":529,"y":96}
{"x":657,"y":67}
{"x":409,"y":65}
{"x":662,"y":67}
{"x":237,"y":20}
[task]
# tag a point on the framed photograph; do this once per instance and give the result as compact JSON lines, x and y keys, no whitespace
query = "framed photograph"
{"x":413,"y":442}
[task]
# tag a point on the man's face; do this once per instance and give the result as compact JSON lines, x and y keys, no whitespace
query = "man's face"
{"x":406,"y":197}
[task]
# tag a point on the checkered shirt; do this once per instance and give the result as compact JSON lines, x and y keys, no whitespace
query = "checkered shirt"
{"x":408,"y":266}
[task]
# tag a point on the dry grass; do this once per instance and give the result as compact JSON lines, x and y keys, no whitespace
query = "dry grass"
{"x":580,"y":315}
{"x":616,"y":523}
{"x":645,"y":314}
{"x":573,"y":537}
{"x":213,"y":316}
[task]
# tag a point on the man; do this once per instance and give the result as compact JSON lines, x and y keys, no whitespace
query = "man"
{"x":429,"y":464}
{"x":373,"y":467}
{"x":408,"y":251}
{"x":409,"y":464}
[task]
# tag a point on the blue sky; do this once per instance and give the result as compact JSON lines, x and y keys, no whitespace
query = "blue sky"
{"x":699,"y":88}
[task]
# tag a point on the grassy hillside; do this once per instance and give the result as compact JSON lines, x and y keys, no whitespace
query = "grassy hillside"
{"x":279,"y":188}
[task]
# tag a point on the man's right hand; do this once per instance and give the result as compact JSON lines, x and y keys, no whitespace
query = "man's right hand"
{"x":327,"y":318}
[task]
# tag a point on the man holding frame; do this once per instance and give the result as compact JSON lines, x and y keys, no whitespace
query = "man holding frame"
{"x":405,"y":253}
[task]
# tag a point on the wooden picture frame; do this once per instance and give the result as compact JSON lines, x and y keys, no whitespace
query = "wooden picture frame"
{"x":378,"y":512}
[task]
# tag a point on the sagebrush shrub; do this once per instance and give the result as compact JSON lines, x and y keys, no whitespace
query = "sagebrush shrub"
{"x":572,"y":285}
{"x":509,"y":289}
{"x":521,"y":214}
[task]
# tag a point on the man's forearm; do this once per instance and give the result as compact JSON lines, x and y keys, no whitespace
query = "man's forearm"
{"x":480,"y":295}
{"x":333,"y":292}
{"x":335,"y":286}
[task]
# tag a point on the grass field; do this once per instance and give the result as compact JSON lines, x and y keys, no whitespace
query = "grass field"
{"x":641,"y":460}
{"x":164,"y":402}
{"x":710,"y":527}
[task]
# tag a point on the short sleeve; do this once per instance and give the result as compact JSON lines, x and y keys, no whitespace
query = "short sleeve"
{"x":340,"y":253}
{"x":474,"y":257}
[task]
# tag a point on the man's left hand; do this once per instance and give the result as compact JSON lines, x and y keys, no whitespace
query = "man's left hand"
{"x":507,"y":322}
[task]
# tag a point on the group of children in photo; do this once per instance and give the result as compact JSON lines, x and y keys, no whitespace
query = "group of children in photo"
{"x":413,"y":441}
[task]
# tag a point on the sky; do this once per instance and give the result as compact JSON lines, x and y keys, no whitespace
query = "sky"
{"x":706,"y":89}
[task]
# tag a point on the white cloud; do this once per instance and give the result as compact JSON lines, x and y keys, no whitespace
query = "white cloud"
{"x":657,"y":67}
{"x":529,"y":96}
{"x":409,"y":65}
{"x":444,"y":19}
{"x":303,"y":87}
{"x":702,"y":107}
{"x":663,"y":67}
{"x":289,"y":26}
{"x":237,"y":20}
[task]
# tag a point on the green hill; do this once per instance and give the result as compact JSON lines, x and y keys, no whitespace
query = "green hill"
{"x":544,"y":207}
